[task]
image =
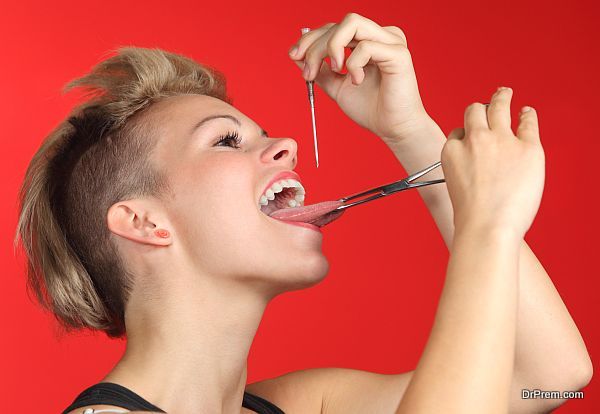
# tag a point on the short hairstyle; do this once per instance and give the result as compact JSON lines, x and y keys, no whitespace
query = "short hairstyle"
{"x":96,"y":157}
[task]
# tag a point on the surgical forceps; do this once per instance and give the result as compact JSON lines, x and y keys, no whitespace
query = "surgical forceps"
{"x":391,"y":188}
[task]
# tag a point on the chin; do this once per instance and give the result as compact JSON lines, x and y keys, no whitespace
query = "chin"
{"x":310,"y":269}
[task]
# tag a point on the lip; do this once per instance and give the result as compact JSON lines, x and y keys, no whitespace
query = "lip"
{"x":283,"y":175}
{"x":280,"y":176}
{"x":300,"y":224}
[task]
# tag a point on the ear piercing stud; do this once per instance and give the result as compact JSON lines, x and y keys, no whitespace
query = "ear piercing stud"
{"x":162,"y":233}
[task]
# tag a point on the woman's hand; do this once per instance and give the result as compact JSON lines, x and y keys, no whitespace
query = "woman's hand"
{"x":380,"y":91}
{"x":494,"y":178}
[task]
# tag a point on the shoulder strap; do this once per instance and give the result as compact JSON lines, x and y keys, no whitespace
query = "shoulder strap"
{"x":108,"y":393}
{"x":259,"y":404}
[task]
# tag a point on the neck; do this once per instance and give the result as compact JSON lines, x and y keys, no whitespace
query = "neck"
{"x":187,"y":349}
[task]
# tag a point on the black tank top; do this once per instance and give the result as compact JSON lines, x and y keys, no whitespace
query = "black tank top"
{"x":108,"y":393}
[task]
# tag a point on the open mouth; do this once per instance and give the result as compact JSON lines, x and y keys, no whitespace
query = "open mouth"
{"x":284,"y":200}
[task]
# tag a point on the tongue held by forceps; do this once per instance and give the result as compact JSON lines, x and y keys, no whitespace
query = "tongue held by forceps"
{"x":325,"y":212}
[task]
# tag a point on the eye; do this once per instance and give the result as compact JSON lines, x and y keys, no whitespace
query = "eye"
{"x":230,"y":139}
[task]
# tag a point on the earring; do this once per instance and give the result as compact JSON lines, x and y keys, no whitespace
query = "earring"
{"x":162,"y":233}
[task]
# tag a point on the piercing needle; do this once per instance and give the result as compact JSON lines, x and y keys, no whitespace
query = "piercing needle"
{"x":311,"y":99}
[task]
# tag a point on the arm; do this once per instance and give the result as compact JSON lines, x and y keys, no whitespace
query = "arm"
{"x":380,"y":93}
{"x":472,"y":339}
{"x":550,"y":353}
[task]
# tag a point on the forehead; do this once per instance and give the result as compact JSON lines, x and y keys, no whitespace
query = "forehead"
{"x":180,"y":107}
{"x":174,"y":118}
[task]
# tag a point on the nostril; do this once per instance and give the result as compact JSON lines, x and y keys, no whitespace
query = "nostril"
{"x":280,"y":154}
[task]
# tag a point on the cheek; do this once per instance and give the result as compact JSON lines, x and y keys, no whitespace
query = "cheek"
{"x":214,"y":203}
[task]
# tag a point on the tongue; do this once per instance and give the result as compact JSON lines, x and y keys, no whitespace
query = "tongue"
{"x":318,"y":214}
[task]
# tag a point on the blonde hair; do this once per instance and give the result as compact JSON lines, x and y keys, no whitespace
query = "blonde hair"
{"x":94,"y":158}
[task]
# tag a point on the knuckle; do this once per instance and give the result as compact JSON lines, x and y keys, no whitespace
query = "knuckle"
{"x":402,"y":50}
{"x":528,"y":130}
{"x":351,"y":17}
{"x":362,"y":46}
{"x":332,"y":42}
{"x":351,"y":62}
{"x":444,"y":154}
{"x":398,"y":31}
{"x":311,"y":55}
{"x":448,"y":150}
{"x":308,"y":52}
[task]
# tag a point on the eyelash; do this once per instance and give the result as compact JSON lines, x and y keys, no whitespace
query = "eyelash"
{"x":231,"y":136}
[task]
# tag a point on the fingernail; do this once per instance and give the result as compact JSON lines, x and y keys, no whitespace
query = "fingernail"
{"x":334,"y":64}
{"x":525,"y":109}
{"x":306,"y":71}
{"x":293,"y":50}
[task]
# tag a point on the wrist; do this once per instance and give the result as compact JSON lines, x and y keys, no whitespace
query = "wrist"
{"x":420,"y":147}
{"x":488,"y":230}
{"x":419,"y":124}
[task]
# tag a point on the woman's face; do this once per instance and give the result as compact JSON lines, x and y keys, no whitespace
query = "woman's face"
{"x":215,"y":214}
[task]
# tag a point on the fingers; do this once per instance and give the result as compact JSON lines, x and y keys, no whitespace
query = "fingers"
{"x":331,"y":40}
{"x":311,"y":49}
{"x":383,"y":55}
{"x":297,"y":51}
{"x":528,"y":129}
{"x":498,"y":112}
{"x":316,"y":52}
{"x":497,"y":117}
{"x":327,"y":80}
{"x":475,"y":117}
{"x":357,"y":27}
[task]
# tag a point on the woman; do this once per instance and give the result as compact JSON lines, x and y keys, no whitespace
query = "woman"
{"x":144,"y":214}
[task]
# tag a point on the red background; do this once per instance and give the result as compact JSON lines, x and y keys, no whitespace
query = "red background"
{"x":375,"y":308}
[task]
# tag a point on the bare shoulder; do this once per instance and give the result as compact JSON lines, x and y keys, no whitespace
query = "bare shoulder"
{"x":333,"y":391}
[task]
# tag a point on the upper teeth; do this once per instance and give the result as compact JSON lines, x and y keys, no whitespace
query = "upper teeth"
{"x":278,"y":187}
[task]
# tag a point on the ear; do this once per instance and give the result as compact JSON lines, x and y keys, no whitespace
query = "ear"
{"x":138,"y":220}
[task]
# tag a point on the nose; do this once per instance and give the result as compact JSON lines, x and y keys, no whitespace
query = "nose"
{"x":282,"y":151}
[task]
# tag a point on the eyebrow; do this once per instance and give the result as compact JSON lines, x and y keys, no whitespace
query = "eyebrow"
{"x":225,"y":116}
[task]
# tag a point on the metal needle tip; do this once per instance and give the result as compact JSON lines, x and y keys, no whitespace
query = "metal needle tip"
{"x":311,"y":99}
{"x":314,"y":125}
